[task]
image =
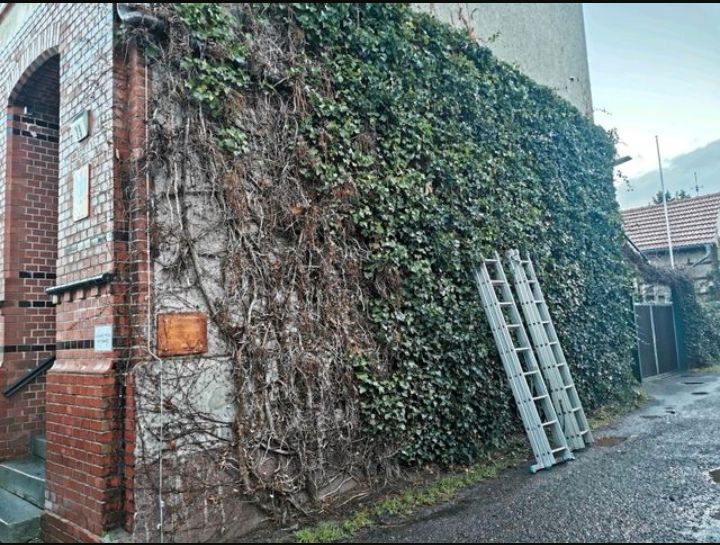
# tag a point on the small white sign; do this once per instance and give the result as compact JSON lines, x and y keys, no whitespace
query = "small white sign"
{"x":81,"y":194}
{"x":103,"y":338}
{"x":80,"y":126}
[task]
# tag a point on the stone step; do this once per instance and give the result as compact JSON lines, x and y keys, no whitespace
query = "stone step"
{"x":25,"y":478}
{"x":38,"y":446}
{"x":19,"y":520}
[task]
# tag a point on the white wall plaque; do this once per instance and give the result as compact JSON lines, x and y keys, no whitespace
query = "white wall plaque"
{"x":80,"y":126}
{"x":103,"y":338}
{"x":81,"y":193}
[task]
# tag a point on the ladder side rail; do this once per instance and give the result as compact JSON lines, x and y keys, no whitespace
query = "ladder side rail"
{"x":556,"y":346}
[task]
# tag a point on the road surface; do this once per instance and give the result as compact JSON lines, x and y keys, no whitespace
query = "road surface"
{"x":649,"y":479}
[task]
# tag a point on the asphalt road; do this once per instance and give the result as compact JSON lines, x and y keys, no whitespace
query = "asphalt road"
{"x":651,"y":482}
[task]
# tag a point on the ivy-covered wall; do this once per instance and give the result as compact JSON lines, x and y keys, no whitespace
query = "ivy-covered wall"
{"x":356,"y":161}
{"x":468,"y":156}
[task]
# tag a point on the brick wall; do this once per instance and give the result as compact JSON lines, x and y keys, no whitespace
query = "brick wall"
{"x":88,"y":402}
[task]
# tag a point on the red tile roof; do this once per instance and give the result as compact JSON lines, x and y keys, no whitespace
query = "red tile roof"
{"x":693,"y":222}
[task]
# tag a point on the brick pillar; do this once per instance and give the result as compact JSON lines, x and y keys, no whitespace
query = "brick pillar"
{"x":83,"y":488}
{"x":90,"y":411}
{"x":27,"y":314}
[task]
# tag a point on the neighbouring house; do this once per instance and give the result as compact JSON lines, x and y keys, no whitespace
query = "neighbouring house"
{"x":694,"y":234}
{"x":77,"y":338}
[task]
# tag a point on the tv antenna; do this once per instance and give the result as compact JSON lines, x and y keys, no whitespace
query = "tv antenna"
{"x":698,"y":187}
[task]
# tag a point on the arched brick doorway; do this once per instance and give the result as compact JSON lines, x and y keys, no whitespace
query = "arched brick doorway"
{"x":29,"y":213}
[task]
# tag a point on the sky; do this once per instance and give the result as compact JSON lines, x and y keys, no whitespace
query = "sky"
{"x":655,"y":70}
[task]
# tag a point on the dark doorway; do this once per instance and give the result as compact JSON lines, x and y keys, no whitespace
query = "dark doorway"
{"x":657,"y":342}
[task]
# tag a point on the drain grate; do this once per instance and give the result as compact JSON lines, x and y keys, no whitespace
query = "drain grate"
{"x":715,"y":475}
{"x":694,"y":383}
{"x":700,"y":393}
{"x":651,"y":417}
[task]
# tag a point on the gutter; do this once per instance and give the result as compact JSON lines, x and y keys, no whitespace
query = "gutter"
{"x":135,"y":16}
{"x":664,"y":249}
{"x":638,"y":250}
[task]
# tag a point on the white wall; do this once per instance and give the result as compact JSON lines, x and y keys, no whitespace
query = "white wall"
{"x":545,"y":41}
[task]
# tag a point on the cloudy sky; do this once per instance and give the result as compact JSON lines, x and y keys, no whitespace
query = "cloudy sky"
{"x":655,"y":70}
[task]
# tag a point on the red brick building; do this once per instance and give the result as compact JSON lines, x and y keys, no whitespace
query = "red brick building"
{"x":73,"y":257}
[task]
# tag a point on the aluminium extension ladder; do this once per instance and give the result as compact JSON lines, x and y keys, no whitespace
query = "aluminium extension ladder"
{"x":542,"y":426}
{"x":550,"y":353}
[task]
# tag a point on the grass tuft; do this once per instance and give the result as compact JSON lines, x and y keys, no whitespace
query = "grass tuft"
{"x":403,"y":504}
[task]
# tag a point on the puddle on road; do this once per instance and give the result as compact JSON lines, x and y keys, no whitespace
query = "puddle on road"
{"x":609,"y":441}
{"x":715,"y":475}
{"x":700,"y":393}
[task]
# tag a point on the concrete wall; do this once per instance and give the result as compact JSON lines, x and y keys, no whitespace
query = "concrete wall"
{"x":545,"y":41}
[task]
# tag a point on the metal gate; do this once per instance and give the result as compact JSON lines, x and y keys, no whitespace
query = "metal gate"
{"x":657,"y":339}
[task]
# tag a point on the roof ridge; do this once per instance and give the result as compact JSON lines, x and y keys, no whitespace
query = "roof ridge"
{"x":676,"y":203}
{"x":694,"y":221}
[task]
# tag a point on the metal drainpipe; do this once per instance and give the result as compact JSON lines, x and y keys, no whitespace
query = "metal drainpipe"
{"x":136,"y":17}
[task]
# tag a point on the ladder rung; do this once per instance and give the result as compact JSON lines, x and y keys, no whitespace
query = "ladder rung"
{"x":523,"y":349}
{"x":555,"y":343}
{"x":528,"y":373}
{"x":548,"y":424}
{"x":514,"y":326}
{"x":538,"y":301}
{"x":561,"y":449}
{"x":547,"y":322}
{"x":584,"y":432}
{"x":505,"y":303}
{"x":538,"y":398}
{"x":576,"y":410}
{"x":498,"y":282}
{"x":569,"y":387}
